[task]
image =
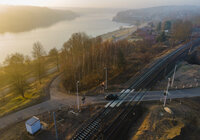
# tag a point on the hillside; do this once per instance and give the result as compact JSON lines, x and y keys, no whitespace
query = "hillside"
{"x":25,"y":18}
{"x":156,"y":14}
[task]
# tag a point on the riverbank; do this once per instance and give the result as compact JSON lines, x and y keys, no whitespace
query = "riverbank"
{"x":121,"y":33}
{"x":92,"y":23}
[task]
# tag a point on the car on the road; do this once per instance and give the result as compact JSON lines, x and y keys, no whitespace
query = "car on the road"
{"x":111,"y":97}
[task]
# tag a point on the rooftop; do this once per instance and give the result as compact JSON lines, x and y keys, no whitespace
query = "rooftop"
{"x":32,"y":120}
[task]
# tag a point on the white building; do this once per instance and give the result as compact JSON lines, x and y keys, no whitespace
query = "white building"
{"x":33,"y":125}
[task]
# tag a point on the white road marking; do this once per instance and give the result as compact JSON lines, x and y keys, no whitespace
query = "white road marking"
{"x":125,"y":97}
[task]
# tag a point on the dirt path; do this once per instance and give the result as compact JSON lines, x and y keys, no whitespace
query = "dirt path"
{"x":70,"y":100}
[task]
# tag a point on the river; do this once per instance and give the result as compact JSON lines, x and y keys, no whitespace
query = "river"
{"x":92,"y":23}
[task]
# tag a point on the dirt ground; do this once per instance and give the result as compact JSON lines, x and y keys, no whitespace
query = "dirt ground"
{"x":187,"y":76}
{"x":67,"y":124}
{"x":154,"y":124}
{"x":157,"y":124}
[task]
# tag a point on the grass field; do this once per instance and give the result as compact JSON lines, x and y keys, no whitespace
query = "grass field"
{"x":35,"y":94}
{"x":10,"y":101}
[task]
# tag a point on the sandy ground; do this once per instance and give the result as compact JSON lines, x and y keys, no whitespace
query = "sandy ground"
{"x":121,"y":33}
{"x":157,"y":124}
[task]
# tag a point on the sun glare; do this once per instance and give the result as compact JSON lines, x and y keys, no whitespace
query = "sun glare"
{"x":68,"y":3}
{"x":26,"y":2}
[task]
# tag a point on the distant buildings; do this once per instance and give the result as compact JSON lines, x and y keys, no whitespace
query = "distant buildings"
{"x":145,"y":33}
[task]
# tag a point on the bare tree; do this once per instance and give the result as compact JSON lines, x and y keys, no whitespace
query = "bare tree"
{"x":181,"y":30}
{"x":38,"y":55}
{"x":27,"y":59}
{"x":54,"y":54}
{"x":16,"y":71}
{"x":84,"y":57}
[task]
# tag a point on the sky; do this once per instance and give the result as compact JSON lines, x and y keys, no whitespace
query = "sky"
{"x":100,"y":3}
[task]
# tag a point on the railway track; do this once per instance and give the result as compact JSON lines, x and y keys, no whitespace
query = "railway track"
{"x":142,"y":81}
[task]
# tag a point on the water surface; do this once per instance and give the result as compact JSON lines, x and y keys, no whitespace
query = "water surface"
{"x":92,"y":23}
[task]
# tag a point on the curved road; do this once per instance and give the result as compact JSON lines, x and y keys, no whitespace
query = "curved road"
{"x":59,"y":99}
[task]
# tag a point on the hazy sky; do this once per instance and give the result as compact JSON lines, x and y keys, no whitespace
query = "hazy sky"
{"x":101,"y":3}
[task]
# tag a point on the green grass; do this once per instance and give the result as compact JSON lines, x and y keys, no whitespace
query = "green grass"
{"x":14,"y":102}
{"x":4,"y":82}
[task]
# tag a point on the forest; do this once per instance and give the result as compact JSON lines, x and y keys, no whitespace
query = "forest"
{"x":85,"y":59}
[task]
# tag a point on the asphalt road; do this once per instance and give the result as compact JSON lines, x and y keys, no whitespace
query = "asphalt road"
{"x":59,"y":99}
{"x":184,"y":93}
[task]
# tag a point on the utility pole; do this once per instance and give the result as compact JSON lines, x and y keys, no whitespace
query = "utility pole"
{"x":166,"y":92}
{"x":54,"y":118}
{"x":190,"y":49}
{"x":165,"y":98}
{"x":190,"y":45}
{"x":168,"y":85}
{"x":173,"y":76}
{"x":77,"y":97}
{"x":106,"y":77}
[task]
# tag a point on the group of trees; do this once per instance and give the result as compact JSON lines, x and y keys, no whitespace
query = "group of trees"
{"x":39,"y":63}
{"x":178,"y":30}
{"x":19,"y":68}
{"x":54,"y":57}
{"x":162,"y":37}
{"x":162,"y":27}
{"x":84,"y":58}
{"x":16,"y":68}
{"x":166,"y":25}
{"x":181,"y":30}
{"x":81,"y":59}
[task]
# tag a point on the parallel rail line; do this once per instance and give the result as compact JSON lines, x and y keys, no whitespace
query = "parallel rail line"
{"x":141,"y":81}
